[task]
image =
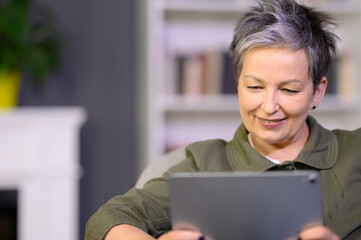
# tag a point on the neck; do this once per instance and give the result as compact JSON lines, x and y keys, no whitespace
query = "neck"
{"x":283,"y":151}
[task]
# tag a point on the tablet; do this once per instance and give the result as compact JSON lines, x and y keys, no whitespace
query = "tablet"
{"x":234,"y":205}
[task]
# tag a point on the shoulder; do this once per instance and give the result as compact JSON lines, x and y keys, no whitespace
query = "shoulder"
{"x":206,"y":149}
{"x":348,"y":137}
{"x":207,"y":145}
{"x":345,"y":138}
{"x":349,"y":148}
{"x":209,"y":155}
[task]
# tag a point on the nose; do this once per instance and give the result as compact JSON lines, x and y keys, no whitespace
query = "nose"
{"x":270,"y":102}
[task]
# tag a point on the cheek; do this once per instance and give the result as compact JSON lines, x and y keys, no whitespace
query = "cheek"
{"x":295,"y":106}
{"x":247,"y":101}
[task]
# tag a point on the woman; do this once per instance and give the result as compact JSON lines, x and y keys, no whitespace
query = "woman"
{"x":281,"y":53}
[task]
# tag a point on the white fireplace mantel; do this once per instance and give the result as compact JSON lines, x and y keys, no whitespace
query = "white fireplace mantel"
{"x":39,"y":157}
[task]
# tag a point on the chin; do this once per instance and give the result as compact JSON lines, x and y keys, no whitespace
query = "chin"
{"x":272,"y":139}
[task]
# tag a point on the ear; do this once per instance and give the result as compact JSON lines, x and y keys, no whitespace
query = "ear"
{"x":319,"y":92}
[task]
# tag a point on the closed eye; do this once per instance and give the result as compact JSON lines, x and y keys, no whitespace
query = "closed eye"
{"x":254,"y":87}
{"x":289,"y":91}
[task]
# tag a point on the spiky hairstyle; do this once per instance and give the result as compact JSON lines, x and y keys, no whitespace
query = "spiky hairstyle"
{"x":285,"y":23}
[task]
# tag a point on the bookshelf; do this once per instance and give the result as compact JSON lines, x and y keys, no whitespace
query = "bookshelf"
{"x":180,"y":39}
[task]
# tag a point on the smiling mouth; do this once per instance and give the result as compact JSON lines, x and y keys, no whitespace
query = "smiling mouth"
{"x":271,"y":121}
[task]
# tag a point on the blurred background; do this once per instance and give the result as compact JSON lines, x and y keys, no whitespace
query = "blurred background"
{"x":97,"y":72}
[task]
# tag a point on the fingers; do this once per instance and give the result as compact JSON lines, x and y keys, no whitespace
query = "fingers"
{"x":317,"y":233}
{"x":182,"y":235}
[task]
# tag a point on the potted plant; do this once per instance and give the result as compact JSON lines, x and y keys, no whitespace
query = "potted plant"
{"x":29,"y":44}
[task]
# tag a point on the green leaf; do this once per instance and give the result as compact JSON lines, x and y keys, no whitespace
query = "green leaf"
{"x":29,"y":40}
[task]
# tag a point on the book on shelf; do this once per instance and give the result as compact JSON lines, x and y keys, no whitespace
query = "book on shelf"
{"x":202,"y":73}
{"x":341,"y":75}
{"x":211,"y":73}
{"x":347,"y":82}
{"x":332,"y":77}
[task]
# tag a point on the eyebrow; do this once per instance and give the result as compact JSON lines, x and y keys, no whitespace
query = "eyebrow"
{"x":282,"y":82}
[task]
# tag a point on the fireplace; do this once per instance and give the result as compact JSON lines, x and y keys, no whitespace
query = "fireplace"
{"x":40,"y":171}
{"x":8,"y":214}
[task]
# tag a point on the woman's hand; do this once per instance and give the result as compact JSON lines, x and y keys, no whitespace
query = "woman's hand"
{"x":182,"y":235}
{"x":318,"y":232}
{"x":129,"y":232}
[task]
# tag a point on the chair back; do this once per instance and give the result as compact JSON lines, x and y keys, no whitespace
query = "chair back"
{"x":158,"y":167}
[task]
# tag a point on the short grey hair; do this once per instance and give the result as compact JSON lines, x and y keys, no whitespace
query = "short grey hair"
{"x":285,"y":23}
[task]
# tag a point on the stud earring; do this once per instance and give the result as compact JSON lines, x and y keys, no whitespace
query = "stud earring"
{"x":314,"y":107}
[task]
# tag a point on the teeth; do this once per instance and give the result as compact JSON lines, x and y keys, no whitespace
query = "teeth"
{"x":269,"y":122}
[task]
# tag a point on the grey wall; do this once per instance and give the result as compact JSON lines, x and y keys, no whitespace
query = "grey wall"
{"x":97,"y":73}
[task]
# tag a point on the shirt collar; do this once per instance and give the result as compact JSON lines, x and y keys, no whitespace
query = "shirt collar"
{"x":320,"y":152}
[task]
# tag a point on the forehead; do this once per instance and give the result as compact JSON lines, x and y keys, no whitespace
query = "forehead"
{"x":275,"y":56}
{"x":276,"y":61}
{"x":284,"y":55}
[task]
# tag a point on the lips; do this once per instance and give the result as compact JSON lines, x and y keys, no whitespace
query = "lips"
{"x":271,"y":122}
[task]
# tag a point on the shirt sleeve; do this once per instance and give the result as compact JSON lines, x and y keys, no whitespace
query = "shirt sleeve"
{"x":146,"y":208}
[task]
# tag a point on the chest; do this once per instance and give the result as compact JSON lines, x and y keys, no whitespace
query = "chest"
{"x":341,"y":198}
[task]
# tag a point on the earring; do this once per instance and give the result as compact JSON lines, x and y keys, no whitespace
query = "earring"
{"x":314,"y":107}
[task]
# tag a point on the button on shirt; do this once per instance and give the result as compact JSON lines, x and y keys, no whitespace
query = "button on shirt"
{"x":290,"y":167}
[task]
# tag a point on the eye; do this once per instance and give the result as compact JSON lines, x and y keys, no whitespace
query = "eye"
{"x":254,"y":88}
{"x":289,"y":91}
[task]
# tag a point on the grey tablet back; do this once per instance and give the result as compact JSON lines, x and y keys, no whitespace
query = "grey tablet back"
{"x":234,"y":206}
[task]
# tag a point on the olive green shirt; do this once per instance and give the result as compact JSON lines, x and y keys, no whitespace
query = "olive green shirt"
{"x":335,"y":154}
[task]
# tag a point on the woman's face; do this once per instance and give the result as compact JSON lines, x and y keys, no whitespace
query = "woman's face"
{"x":275,"y":94}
